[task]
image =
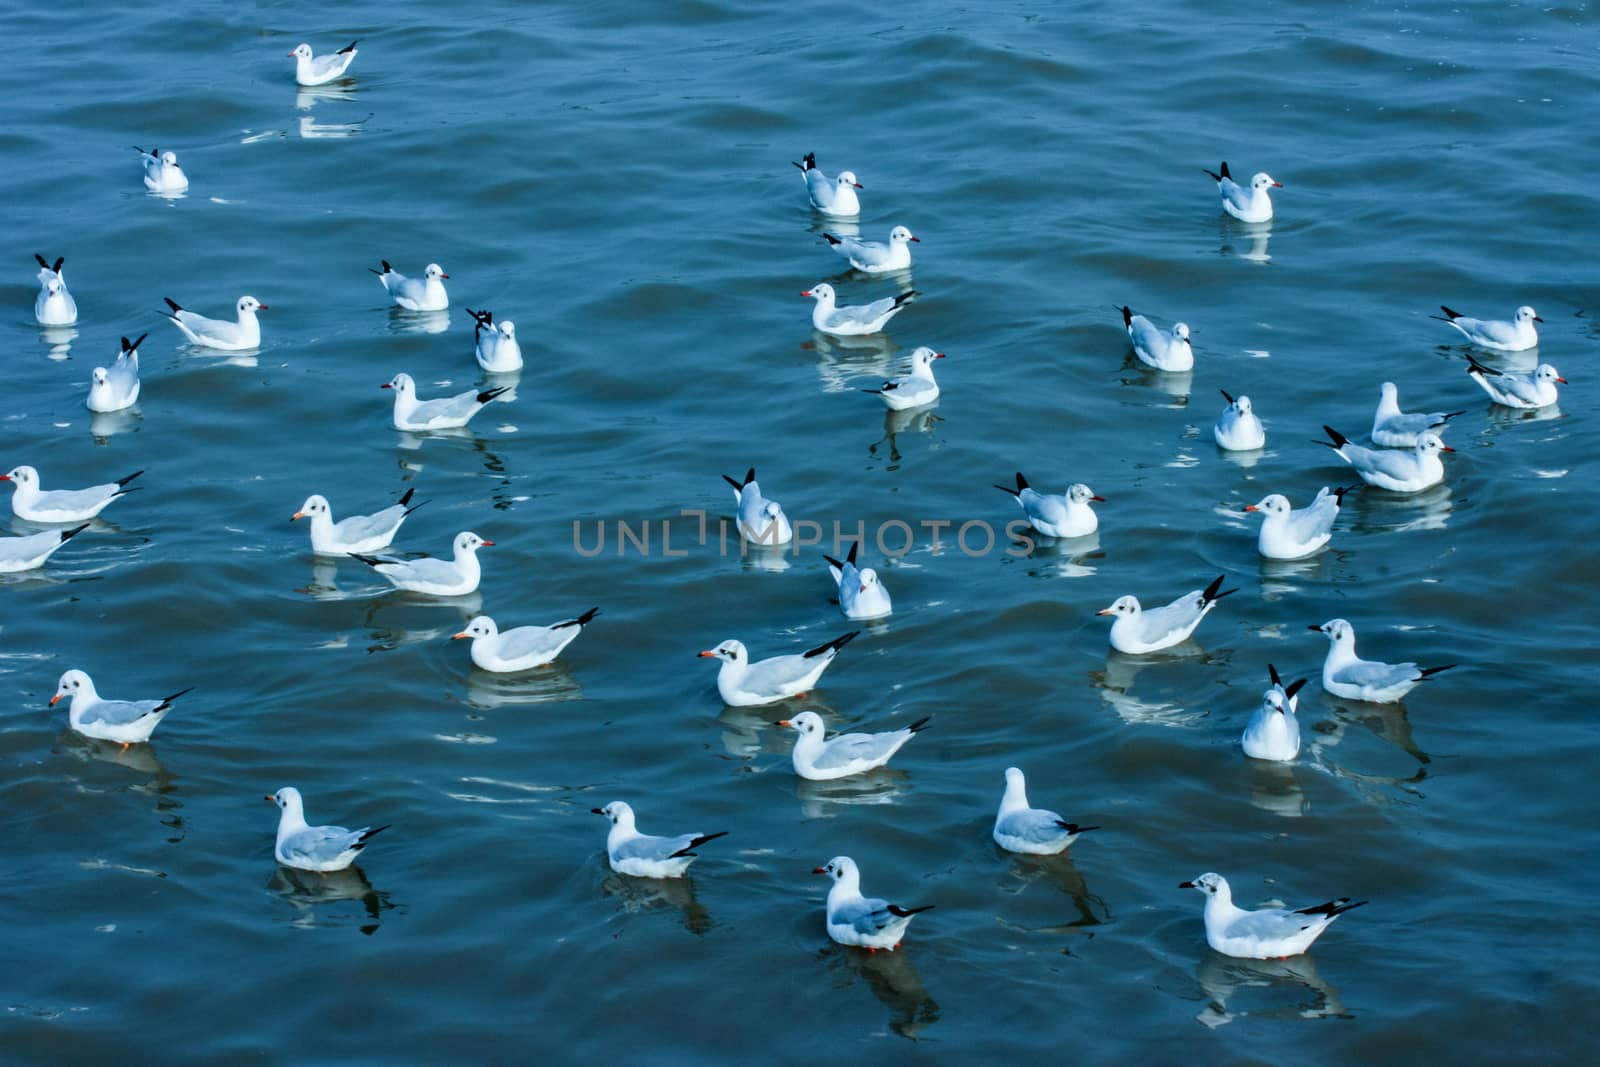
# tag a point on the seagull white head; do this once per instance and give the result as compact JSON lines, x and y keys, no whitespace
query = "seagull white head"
{"x":169,"y":159}
{"x":434,"y":271}
{"x":848,"y":177}
{"x":1275,"y":504}
{"x":481,"y":626}
{"x":1208,"y":883}
{"x":1431,"y":444}
{"x":922,"y":359}
{"x":1338,"y":631}
{"x":301,"y":51}
{"x":288,"y":799}
{"x":772,"y":511}
{"x":619,"y":812}
{"x":507,"y":329}
{"x":900,"y":235}
{"x":869,"y":578}
{"x":728,"y":651}
{"x":840,"y":868}
{"x":1180,"y":332}
{"x":1123,"y":605}
{"x":1241,"y":404}
{"x":822,"y":293}
{"x":99,"y":376}
{"x":315,"y":504}
{"x":1272,"y":700}
{"x":807,"y":724}
{"x":1527,"y":314}
{"x":1547,"y":373}
{"x":400,"y":383}
{"x":71,"y":684}
{"x":1079,"y":493}
{"x":249,"y":305}
{"x":23,"y":476}
{"x":53,"y":285}
{"x":468,"y":542}
{"x":1264,"y":181}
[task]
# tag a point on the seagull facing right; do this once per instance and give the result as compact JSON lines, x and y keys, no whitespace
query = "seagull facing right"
{"x":853,"y":320}
{"x":426,"y":293}
{"x":314,"y":848}
{"x":1290,"y":534}
{"x":1238,"y":429}
{"x":161,"y":171}
{"x":1344,"y":674}
{"x":1518,"y":335}
{"x":458,"y":576}
{"x":643,"y":856}
{"x":1536,"y":390}
{"x":128,"y":722}
{"x":1163,"y":351}
{"x":831,"y":196}
{"x":914,"y":390}
{"x":1273,"y":732}
{"x":441,"y":413}
{"x":874,"y":257}
{"x":118,"y":387}
{"x":743,"y":684}
{"x":858,"y":921}
{"x":1247,"y":205}
{"x":1393,"y":428}
{"x":53,"y":306}
{"x":353,"y":533}
{"x":761,"y":521}
{"x":1137,"y":631}
{"x":818,"y":758}
{"x":498,"y":350}
{"x":520,"y":648}
{"x":1390,"y":468}
{"x":1054,"y":514}
{"x":34,"y":504}
{"x":26,"y":553}
{"x":320,"y":70}
{"x":1268,"y":934}
{"x":1035,"y":831}
{"x":219,"y":333}
{"x":861,"y":594}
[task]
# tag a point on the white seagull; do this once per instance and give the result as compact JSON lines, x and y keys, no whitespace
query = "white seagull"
{"x":914,"y":390}
{"x":874,"y":257}
{"x":26,"y":553}
{"x":1055,"y":515}
{"x":219,"y":333}
{"x":416,"y":294}
{"x":53,"y":306}
{"x":1290,"y":534}
{"x":831,"y":196}
{"x":1536,"y":390}
{"x":1518,"y":335}
{"x":761,"y":521}
{"x":1137,"y":630}
{"x":315,"y":848}
{"x":1035,"y":831}
{"x":522,"y":648}
{"x":442,"y":413}
{"x":117,"y":387}
{"x":498,"y":350}
{"x":320,"y":70}
{"x":643,"y":856}
{"x":1238,"y":429}
{"x":1163,"y":351}
{"x":822,"y":759}
{"x":353,"y":533}
{"x":861,"y":594}
{"x":1344,"y":674}
{"x":61,"y":505}
{"x":1273,"y":732}
{"x":127,"y":722}
{"x":743,"y":684}
{"x":457,"y":576}
{"x":1247,"y":205}
{"x":1393,"y":428}
{"x":1268,"y":934}
{"x":858,"y":921}
{"x":854,"y":319}
{"x":161,"y":171}
{"x":1393,"y":469}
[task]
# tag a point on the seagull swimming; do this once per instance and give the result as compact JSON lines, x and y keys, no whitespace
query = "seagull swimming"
{"x":1247,"y":205}
{"x":643,"y":856}
{"x":416,"y":294}
{"x":1393,"y":469}
{"x":1137,"y":630}
{"x":1393,"y":428}
{"x":1290,"y":534}
{"x":1055,"y":515}
{"x":161,"y":171}
{"x":127,"y":722}
{"x":761,"y":521}
{"x":1536,"y":390}
{"x":1268,"y":934}
{"x":1518,"y":335}
{"x":53,"y":306}
{"x":853,"y":320}
{"x":117,"y":387}
{"x":1344,"y":674}
{"x":354,"y":533}
{"x":457,"y":576}
{"x":497,"y":348}
{"x":1273,"y":732}
{"x":442,"y":413}
{"x":874,"y":257}
{"x":320,"y":70}
{"x":831,"y":196}
{"x":858,"y":921}
{"x":315,"y":848}
{"x":219,"y":333}
{"x":861,"y":594}
{"x":61,"y":505}
{"x":743,"y":684}
{"x":26,"y":553}
{"x":821,"y":759}
{"x":1163,"y":351}
{"x":521,"y":648}
{"x":1238,"y":429}
{"x":914,"y":390}
{"x":1035,"y":831}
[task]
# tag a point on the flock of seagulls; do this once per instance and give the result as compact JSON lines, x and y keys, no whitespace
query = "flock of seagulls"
{"x":1404,"y":457}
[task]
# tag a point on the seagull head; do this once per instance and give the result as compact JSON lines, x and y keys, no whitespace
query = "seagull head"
{"x":249,"y":305}
{"x":1123,"y":605}
{"x":1337,"y":630}
{"x":869,"y":579}
{"x":169,"y":159}
{"x":922,"y":358}
{"x":1241,"y":404}
{"x":1547,"y":373}
{"x":1208,"y":883}
{"x":848,"y":177}
{"x":1180,"y":332}
{"x":1430,"y":444}
{"x":99,"y":377}
{"x":71,"y":684}
{"x":1275,"y":504}
{"x":481,"y":626}
{"x":301,"y":51}
{"x":807,"y":723}
{"x":288,"y":799}
{"x":1264,"y":181}
{"x":838,"y":868}
{"x":1272,"y":700}
{"x":900,"y":235}
{"x":1527,"y":314}
{"x":1079,"y":493}
{"x":772,"y":511}
{"x":52,"y":285}
{"x":617,"y":811}
{"x":507,"y":329}
{"x":728,"y":651}
{"x":22,"y":476}
{"x":315,"y":504}
{"x":822,"y":293}
{"x":468,"y":542}
{"x":434,"y":271}
{"x":400,"y":383}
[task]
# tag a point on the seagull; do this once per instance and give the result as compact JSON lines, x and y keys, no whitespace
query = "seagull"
{"x":1163,"y":351}
{"x":1517,"y":335}
{"x":1273,"y":732}
{"x":53,"y":306}
{"x":1137,"y":630}
{"x":1536,"y":390}
{"x":1290,"y":534}
{"x":643,"y":856}
{"x":831,"y":196}
{"x":1393,"y":469}
{"x":1247,"y":205}
{"x":127,"y":722}
{"x":914,"y":390}
{"x":61,"y":505}
{"x":161,"y":171}
{"x":444,"y":413}
{"x":1344,"y":674}
{"x":354,"y":533}
{"x":1035,"y":831}
{"x":858,"y":921}
{"x":1268,"y":934}
{"x":874,"y":257}
{"x":219,"y":333}
{"x":416,"y":294}
{"x":855,"y":319}
{"x":522,"y":648}
{"x":314,"y":848}
{"x":320,"y":70}
{"x":861,"y":594}
{"x":435,"y":577}
{"x":1054,"y":515}
{"x":1393,"y":428}
{"x":1238,"y":429}
{"x":842,"y":755}
{"x":26,"y":553}
{"x":497,"y":349}
{"x":743,"y":684}
{"x":760,"y":520}
{"x":118,"y":387}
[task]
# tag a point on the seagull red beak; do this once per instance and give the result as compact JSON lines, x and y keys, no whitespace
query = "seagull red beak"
{"x":1446,"y":448}
{"x":1537,"y":319}
{"x":596,"y":811}
{"x":805,"y":292}
{"x":917,"y":239}
{"x":385,"y":385}
{"x":819,"y":870}
{"x":487,"y":543}
{"x":1277,"y":185}
{"x":263,"y":307}
{"x":858,"y":185}
{"x":442,"y":274}
{"x":58,"y":697}
{"x":938,"y":355}
{"x":1185,"y":885}
{"x":1098,"y":497}
{"x":291,"y":56}
{"x":1560,"y":379}
{"x":274,"y":800}
{"x":783,"y":722}
{"x":707,"y":654}
{"x":1251,"y":507}
{"x":5,"y":477}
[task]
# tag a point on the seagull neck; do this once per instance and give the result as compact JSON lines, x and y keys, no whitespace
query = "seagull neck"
{"x":622,"y":831}
{"x":1342,"y":651}
{"x":83,"y":698}
{"x":405,"y":402}
{"x":1016,"y":798}
{"x":845,"y":887}
{"x":923,"y":371}
{"x":1219,"y":905}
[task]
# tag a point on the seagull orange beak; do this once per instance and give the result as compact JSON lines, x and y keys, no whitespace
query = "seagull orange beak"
{"x":707,"y":654}
{"x":54,"y":699}
{"x":783,"y":722}
{"x":805,"y":292}
{"x":457,"y":637}
{"x":1560,"y":379}
{"x":1251,"y":507}
{"x":273,"y":800}
{"x":297,"y":515}
{"x":1103,"y":611}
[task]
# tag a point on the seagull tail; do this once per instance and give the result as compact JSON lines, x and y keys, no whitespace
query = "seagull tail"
{"x":67,"y":535}
{"x":1210,"y":594}
{"x":831,"y":239}
{"x":1429,"y":672}
{"x":1225,"y":395}
{"x":489,"y":394}
{"x":1295,"y":687}
{"x":1214,"y":175}
{"x":368,"y":835}
{"x":833,"y":646}
{"x":1333,"y":908}
{"x":581,"y":620}
{"x":1474,"y":367}
{"x":371,"y":561}
{"x":905,"y":298}
{"x":166,"y":702}
{"x":174,"y":305}
{"x":1453,"y":315}
{"x":122,"y":483}
{"x":1127,"y":319}
{"x":920,"y":725}
{"x":1336,"y":440}
{"x":351,"y":47}
{"x":895,"y":909}
{"x":1074,"y":828}
{"x":688,"y":850}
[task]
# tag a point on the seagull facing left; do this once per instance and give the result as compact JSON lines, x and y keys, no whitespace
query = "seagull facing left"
{"x":821,"y":759}
{"x":1344,"y":674}
{"x":26,"y":553}
{"x":314,"y":848}
{"x":521,"y":648}
{"x":858,"y":921}
{"x":1137,"y":630}
{"x":219,"y":333}
{"x":127,"y":722}
{"x":1290,"y":534}
{"x":1035,"y":831}
{"x":853,"y":320}
{"x":53,"y":306}
{"x":1158,"y":349}
{"x":457,"y":576}
{"x":61,"y":505}
{"x":914,"y":390}
{"x":642,"y":855}
{"x":743,"y":684}
{"x":1268,"y":934}
{"x":320,"y":70}
{"x":353,"y":533}
{"x":441,"y":413}
{"x":161,"y":171}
